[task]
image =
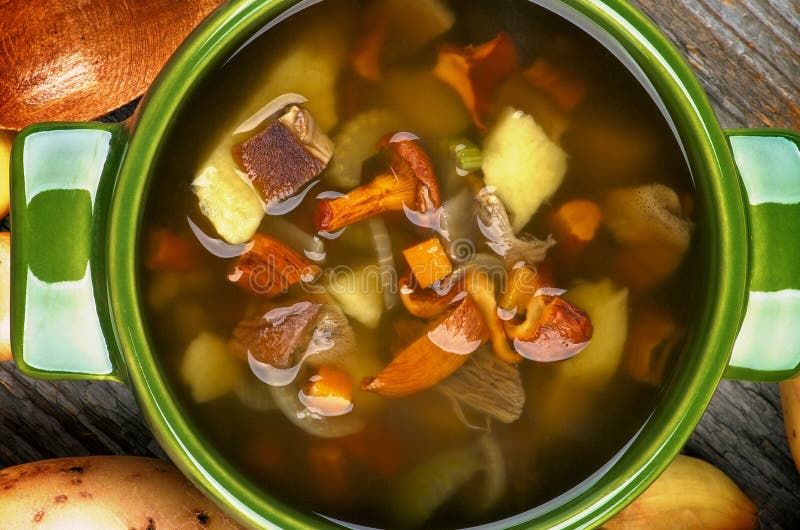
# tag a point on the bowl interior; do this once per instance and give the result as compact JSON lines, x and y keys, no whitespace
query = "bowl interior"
{"x":668,"y":80}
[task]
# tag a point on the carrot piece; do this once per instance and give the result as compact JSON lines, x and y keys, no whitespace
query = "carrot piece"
{"x":268,"y":268}
{"x":329,"y":469}
{"x":575,"y":223}
{"x":429,"y":262}
{"x":565,"y":90}
{"x":377,"y":449}
{"x":434,"y":356}
{"x":366,"y":57}
{"x":476,"y":72}
{"x":167,"y":251}
{"x":330,"y":382}
{"x":652,"y":339}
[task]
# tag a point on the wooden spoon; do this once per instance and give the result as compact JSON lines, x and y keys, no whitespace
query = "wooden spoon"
{"x":79,"y":59}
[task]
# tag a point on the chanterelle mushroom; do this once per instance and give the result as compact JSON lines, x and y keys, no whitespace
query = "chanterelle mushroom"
{"x":410,"y":182}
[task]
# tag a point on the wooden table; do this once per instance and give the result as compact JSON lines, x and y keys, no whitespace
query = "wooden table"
{"x":747,"y":55}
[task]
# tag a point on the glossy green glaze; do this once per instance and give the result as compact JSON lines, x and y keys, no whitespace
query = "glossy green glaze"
{"x":64,"y":175}
{"x":768,"y":345}
{"x":724,"y":219}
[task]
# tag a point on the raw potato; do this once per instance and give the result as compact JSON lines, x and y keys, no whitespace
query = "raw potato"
{"x":414,"y":23}
{"x":413,"y":93}
{"x":357,"y":142}
{"x":208,"y":369}
{"x":6,"y":139}
{"x":689,"y":495}
{"x":790,"y":401}
{"x":522,"y":164}
{"x":358,"y":293}
{"x":607,"y":307}
{"x":5,"y":296}
{"x":309,"y":64}
{"x":226,"y":198}
{"x":104,"y":493}
{"x":517,"y":92}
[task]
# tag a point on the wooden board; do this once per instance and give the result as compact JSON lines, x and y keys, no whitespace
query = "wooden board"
{"x":747,"y":55}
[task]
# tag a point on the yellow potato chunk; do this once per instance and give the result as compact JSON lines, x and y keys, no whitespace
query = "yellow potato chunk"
{"x":607,"y":307}
{"x":358,"y":293}
{"x":522,"y":164}
{"x":226,"y":197}
{"x":208,"y":369}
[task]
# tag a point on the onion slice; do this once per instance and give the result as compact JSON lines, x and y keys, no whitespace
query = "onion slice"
{"x":269,"y":110}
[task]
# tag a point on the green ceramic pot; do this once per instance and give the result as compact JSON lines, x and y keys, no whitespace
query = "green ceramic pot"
{"x":78,"y":194}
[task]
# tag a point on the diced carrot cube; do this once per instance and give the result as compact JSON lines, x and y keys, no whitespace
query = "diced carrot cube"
{"x":429,"y":262}
{"x":566,"y":91}
{"x":330,"y":382}
{"x":577,"y":221}
{"x":167,"y":251}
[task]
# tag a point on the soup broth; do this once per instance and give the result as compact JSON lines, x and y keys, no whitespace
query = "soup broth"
{"x":467,"y":310}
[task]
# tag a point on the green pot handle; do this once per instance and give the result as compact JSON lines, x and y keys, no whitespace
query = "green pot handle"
{"x":62,"y":179}
{"x":767,"y":347}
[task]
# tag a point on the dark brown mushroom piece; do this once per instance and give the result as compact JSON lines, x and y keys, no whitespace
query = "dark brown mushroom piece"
{"x":290,"y":152}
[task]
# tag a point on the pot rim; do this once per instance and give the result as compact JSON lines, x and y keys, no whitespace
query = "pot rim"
{"x":663,"y":435}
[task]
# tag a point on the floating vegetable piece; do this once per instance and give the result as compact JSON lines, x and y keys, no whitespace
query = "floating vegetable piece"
{"x":487,"y":385}
{"x":208,"y":369}
{"x":434,"y":356}
{"x":553,"y":330}
{"x":607,"y":307}
{"x":254,"y":393}
{"x":654,"y":334}
{"x":285,"y":156}
{"x":355,"y":143}
{"x":575,"y":224}
{"x":496,"y":227}
{"x":358,"y":292}
{"x":690,"y":494}
{"x":426,"y":487}
{"x":268,"y":268}
{"x":167,"y":251}
{"x":413,"y":24}
{"x":279,"y":104}
{"x":310,"y":62}
{"x":329,"y":382}
{"x":427,"y":303}
{"x":411,"y":183}
{"x":366,"y":56}
{"x":273,"y":337}
{"x":475,"y":72}
{"x":329,"y":471}
{"x":650,"y":213}
{"x":428,"y":262}
{"x":382,"y":243}
{"x":565,"y":89}
{"x":429,"y":485}
{"x":522,"y":165}
{"x":649,"y":222}
{"x":517,"y":92}
{"x":227,"y":197}
{"x":412,"y":93}
{"x":287,"y":399}
{"x":525,"y":282}
{"x":480,"y":287}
